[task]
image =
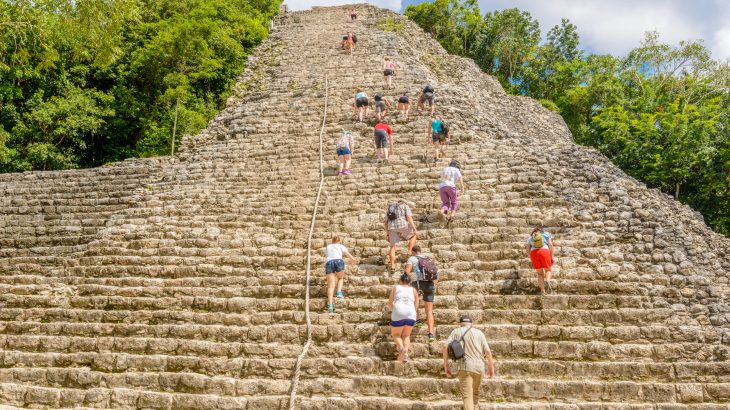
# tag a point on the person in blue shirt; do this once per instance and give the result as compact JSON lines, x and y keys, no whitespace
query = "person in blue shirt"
{"x":361,"y":103}
{"x":438,"y":137}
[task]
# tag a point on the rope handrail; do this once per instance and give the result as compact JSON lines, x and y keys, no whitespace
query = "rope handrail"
{"x":305,"y":349}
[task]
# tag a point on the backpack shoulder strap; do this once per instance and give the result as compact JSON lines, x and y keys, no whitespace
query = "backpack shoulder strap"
{"x":462,"y":336}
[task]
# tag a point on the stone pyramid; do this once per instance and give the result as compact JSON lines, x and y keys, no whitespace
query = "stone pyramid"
{"x":179,"y":283}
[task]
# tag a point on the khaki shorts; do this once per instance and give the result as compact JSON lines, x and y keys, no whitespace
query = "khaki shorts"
{"x":395,"y":235}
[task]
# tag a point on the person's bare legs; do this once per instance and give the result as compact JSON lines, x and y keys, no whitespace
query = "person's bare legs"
{"x":330,"y":288}
{"x":359,"y":112}
{"x":541,"y":279}
{"x":411,"y":243}
{"x":406,"y":335}
{"x":443,"y":148}
{"x":391,"y":255}
{"x":435,"y":151}
{"x":430,"y":321}
{"x":408,"y":110}
{"x":341,"y":165}
{"x":348,"y":161}
{"x":340,"y":281}
{"x":396,"y":333}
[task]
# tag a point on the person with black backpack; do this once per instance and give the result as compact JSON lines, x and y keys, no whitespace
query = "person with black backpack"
{"x":427,"y":277}
{"x":399,"y":225}
{"x":427,"y":96}
{"x":467,"y":347}
{"x":439,"y":131}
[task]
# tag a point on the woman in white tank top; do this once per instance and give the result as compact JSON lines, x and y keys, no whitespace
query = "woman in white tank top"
{"x":403,"y":303}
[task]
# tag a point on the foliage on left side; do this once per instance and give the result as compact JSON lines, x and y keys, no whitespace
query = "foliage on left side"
{"x":88,"y":82}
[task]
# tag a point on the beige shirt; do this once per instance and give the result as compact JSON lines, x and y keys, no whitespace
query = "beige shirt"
{"x":475,"y":348}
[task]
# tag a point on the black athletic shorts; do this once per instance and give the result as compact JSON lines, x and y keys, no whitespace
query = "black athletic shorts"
{"x":427,"y":97}
{"x":361,"y":102}
{"x":438,"y":137}
{"x":381,"y":139}
{"x":403,"y":99}
{"x":426,"y":288}
{"x":387,"y":72}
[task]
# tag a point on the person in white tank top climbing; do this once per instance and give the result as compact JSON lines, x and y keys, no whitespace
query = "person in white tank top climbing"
{"x":334,"y":267}
{"x":403,"y":303}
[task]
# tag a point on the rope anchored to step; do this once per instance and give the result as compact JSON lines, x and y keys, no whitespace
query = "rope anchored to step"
{"x":305,"y":349}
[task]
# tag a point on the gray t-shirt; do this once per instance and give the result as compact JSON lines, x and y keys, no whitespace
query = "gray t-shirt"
{"x":475,"y":347}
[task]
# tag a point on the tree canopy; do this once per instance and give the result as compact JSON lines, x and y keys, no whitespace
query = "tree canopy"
{"x":87,"y":82}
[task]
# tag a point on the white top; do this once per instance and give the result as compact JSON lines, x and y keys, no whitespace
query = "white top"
{"x":334,"y":251}
{"x":449,"y":176}
{"x":404,"y":303}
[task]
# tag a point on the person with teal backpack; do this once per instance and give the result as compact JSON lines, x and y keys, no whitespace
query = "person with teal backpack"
{"x":439,"y":132}
{"x":540,"y":250}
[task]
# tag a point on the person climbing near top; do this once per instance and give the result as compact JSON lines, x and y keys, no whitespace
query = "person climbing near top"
{"x":348,"y":42}
{"x":353,"y":14}
{"x":425,"y":281}
{"x":383,"y":140}
{"x":361,"y":103}
{"x":388,"y":71}
{"x":382,"y":106}
{"x":399,"y":225}
{"x":540,"y":250}
{"x":345,"y":146}
{"x":450,"y":176}
{"x":404,"y":105}
{"x":427,"y":96}
{"x":334,"y":267}
{"x":439,"y":136}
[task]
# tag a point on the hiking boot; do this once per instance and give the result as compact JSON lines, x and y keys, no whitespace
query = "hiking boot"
{"x":339,"y":295}
{"x":431,"y":338}
{"x":419,"y":323}
{"x":330,"y":308}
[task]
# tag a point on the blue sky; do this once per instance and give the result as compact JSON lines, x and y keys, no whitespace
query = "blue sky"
{"x":608,"y":26}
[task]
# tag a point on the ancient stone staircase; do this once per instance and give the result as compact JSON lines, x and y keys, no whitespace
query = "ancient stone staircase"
{"x":179,"y":282}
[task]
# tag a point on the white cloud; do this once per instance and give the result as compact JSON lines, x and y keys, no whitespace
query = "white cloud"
{"x":617,"y":26}
{"x":394,"y":5}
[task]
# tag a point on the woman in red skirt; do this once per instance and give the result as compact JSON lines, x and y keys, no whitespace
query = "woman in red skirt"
{"x":539,"y":249}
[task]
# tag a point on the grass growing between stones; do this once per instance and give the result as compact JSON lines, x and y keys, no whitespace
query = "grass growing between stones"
{"x":391,"y":24}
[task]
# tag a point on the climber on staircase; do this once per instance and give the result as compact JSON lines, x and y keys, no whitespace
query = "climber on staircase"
{"x":361,"y":103}
{"x":388,"y":71}
{"x":353,"y":14}
{"x":426,"y":279}
{"x":404,"y":105}
{"x":403,"y":304}
{"x":348,"y":42}
{"x":345,"y":146}
{"x":540,"y":250}
{"x":427,"y":96}
{"x":382,"y":106}
{"x":334,"y":267}
{"x":439,"y":131}
{"x":399,"y":225}
{"x":450,"y":176}
{"x":383,"y":140}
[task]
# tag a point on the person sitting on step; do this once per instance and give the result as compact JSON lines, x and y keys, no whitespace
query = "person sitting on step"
{"x":427,"y":96}
{"x":388,"y":71}
{"x":348,"y":42}
{"x":383,"y":140}
{"x":345,"y":146}
{"x":404,"y":106}
{"x":361,"y":103}
{"x":334,"y":267}
{"x":382,"y":106}
{"x":540,"y":250}
{"x":403,"y":304}
{"x":450,"y":176}
{"x":425,"y":286}
{"x":399,"y":225}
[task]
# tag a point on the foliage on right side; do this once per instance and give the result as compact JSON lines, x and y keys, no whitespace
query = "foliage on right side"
{"x":661,"y":113}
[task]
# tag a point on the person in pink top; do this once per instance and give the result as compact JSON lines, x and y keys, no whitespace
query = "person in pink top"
{"x":388,"y":71}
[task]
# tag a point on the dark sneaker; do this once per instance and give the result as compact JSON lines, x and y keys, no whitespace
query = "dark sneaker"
{"x":431,"y":338}
{"x":419,"y":323}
